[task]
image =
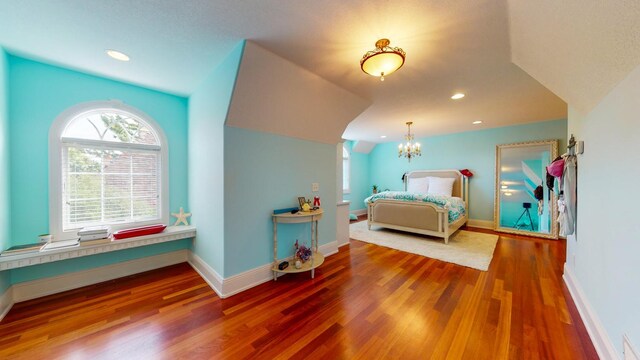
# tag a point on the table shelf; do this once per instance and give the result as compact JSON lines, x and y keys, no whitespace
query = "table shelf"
{"x":318,"y":259}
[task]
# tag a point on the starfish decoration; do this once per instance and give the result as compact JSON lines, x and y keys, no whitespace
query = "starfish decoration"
{"x":181,"y":217}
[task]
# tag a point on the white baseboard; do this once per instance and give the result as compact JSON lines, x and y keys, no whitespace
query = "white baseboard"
{"x":55,"y":284}
{"x":207,"y":273}
{"x":597,"y":333}
{"x":245,"y":280}
{"x":329,"y":249}
{"x":358,"y":212}
{"x":482,"y":224}
{"x":6,"y":302}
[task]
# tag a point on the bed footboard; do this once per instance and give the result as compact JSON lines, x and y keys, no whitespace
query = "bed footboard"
{"x":421,"y":218}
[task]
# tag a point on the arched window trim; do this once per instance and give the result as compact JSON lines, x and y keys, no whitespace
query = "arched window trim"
{"x":346,"y":170}
{"x":55,"y":163}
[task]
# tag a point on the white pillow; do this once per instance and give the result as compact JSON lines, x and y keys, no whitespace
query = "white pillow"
{"x":441,"y":186}
{"x":418,"y":185}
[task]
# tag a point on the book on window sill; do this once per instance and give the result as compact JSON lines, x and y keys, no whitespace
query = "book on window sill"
{"x":22,"y":249}
{"x":60,"y":244}
{"x":101,"y":241}
{"x":92,"y":230}
{"x":94,"y":237}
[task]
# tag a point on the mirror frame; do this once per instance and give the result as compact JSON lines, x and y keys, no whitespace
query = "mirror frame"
{"x":496,"y":203}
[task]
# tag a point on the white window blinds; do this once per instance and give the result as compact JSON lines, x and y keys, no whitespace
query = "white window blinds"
{"x":110,"y":172}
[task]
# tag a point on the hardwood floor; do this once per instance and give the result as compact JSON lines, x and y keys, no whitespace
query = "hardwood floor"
{"x":366,"y":302}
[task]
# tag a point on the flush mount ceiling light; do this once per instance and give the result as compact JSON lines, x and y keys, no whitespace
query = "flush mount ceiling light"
{"x":383,"y":136}
{"x":411,"y":149}
{"x":383,"y":60}
{"x":117,"y":55}
{"x":457,"y":96}
{"x":477,"y":122}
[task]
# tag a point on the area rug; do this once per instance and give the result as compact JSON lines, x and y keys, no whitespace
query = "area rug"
{"x":466,"y":248}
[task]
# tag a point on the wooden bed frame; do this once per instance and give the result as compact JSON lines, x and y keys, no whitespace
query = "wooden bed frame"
{"x":421,"y":217}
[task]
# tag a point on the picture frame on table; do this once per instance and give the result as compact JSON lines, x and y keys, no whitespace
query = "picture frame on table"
{"x":301,"y":201}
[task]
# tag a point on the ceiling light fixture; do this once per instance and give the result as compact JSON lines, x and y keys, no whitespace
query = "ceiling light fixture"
{"x":457,"y":96}
{"x":382,"y":61}
{"x":507,"y":194}
{"x":383,"y":136}
{"x":504,"y":186}
{"x":117,"y":55}
{"x":477,"y":122}
{"x":410,"y":149}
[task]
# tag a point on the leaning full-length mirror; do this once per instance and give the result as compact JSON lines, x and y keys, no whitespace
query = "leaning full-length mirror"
{"x":524,"y":202}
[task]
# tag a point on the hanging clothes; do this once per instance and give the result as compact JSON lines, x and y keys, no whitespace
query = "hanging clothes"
{"x":562,"y":217}
{"x":569,"y":179}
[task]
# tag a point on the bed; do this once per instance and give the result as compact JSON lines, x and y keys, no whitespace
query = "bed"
{"x":436,"y":215}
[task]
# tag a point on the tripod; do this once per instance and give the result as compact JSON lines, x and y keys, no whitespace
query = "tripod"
{"x":526,"y":207}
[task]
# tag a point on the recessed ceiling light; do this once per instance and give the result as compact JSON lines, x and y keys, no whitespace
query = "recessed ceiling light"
{"x":477,"y":122}
{"x":118,"y":55}
{"x":505,"y":187}
{"x":457,"y":96}
{"x":383,"y":136}
{"x":507,"y":194}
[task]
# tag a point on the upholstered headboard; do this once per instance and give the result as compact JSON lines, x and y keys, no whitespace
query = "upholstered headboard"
{"x":458,"y":186}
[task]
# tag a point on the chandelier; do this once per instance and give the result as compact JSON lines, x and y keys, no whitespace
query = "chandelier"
{"x":410,"y":149}
{"x":383,"y":60}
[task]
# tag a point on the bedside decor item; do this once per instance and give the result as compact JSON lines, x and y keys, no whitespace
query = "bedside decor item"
{"x":316,"y":201}
{"x":306,"y":207}
{"x":181,"y":217}
{"x":411,"y":149}
{"x":283,"y":265}
{"x":298,"y":264}
{"x":374,"y":189}
{"x":383,"y":60}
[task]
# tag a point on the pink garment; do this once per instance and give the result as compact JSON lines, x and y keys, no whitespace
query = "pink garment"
{"x":556,"y":168}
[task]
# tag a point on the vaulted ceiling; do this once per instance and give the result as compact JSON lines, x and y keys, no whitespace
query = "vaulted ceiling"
{"x":452,"y":46}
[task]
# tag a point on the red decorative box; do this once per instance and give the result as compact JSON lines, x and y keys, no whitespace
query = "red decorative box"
{"x":141,"y":231}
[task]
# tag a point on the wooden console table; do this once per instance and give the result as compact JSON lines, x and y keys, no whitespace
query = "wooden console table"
{"x":300,"y":217}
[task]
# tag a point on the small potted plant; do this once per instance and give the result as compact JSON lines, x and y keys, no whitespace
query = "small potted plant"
{"x":375,"y":189}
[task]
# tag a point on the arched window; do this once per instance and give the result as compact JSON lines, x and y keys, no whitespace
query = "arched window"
{"x":108,"y":165}
{"x":346,"y":168}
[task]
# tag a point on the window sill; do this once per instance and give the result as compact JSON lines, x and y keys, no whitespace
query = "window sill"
{"x":172,"y":233}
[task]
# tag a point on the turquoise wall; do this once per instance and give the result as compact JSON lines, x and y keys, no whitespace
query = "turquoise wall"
{"x":360,"y":186}
{"x":208,"y":107}
{"x":5,"y":221}
{"x":263,"y":172}
{"x":38,"y":93}
{"x":475,"y":150}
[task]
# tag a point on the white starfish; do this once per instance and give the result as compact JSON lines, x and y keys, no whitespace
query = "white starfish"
{"x":181,"y":217}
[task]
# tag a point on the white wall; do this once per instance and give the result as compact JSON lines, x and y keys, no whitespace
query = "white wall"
{"x":605,"y":255}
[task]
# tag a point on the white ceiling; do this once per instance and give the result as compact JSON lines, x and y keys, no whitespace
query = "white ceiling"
{"x":579,"y":48}
{"x":451,"y":46}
